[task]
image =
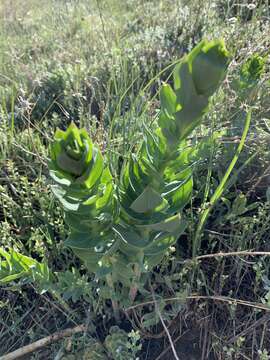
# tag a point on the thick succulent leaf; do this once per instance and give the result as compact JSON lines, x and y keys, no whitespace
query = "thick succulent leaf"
{"x":89,"y":257}
{"x":153,"y":260}
{"x":209,"y":66}
{"x":133,"y":218}
{"x":131,"y":237}
{"x":168,"y":99}
{"x":170,"y":225}
{"x":130,"y":251}
{"x":80,"y":240}
{"x":180,"y":196}
{"x":95,"y":170}
{"x":147,"y":201}
{"x":59,"y":177}
{"x":66,"y":163}
{"x":187,"y":59}
{"x":159,"y":247}
{"x":164,"y":240}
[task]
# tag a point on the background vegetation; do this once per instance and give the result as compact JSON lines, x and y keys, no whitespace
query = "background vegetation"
{"x":100,"y":63}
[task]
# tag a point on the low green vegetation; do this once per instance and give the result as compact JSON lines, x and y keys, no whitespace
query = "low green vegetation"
{"x":134,"y":178}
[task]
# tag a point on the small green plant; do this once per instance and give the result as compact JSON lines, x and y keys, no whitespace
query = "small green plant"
{"x":121,"y":345}
{"x":122,"y":228}
{"x":14,"y":265}
{"x":249,"y":77}
{"x":263,"y":355}
{"x":118,"y":345}
{"x":85,"y":188}
{"x":252,"y":69}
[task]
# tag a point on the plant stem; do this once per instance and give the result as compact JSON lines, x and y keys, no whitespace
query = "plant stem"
{"x":133,"y":292}
{"x":134,"y":288}
{"x":115,"y":304}
{"x":219,"y":190}
{"x":34,"y":347}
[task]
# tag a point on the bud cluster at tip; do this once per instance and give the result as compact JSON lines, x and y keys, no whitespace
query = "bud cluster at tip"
{"x":84,"y":187}
{"x":196,"y":78}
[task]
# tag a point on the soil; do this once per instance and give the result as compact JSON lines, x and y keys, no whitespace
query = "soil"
{"x":187,"y":346}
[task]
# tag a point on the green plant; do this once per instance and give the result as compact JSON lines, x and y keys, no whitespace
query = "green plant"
{"x":263,"y":355}
{"x":85,"y":188}
{"x":14,"y":265}
{"x":121,"y":229}
{"x":250,"y":75}
{"x":93,"y":351}
{"x":50,"y":75}
{"x":118,"y":345}
{"x":122,"y":346}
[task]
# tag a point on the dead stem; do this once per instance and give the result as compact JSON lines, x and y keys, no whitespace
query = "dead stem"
{"x":42,"y":342}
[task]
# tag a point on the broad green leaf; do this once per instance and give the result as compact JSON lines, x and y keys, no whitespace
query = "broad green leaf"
{"x":170,"y":225}
{"x":95,"y":170}
{"x":12,"y":277}
{"x":179,"y":198}
{"x":81,"y":240}
{"x":131,"y":237}
{"x":168,"y":99}
{"x":17,"y":266}
{"x":160,"y":245}
{"x":147,"y":201}
{"x":66,"y":163}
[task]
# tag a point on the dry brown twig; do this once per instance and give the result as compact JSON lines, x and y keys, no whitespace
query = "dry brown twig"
{"x":25,"y":350}
{"x":266,"y":173}
{"x":233,"y":253}
{"x":229,"y":300}
{"x":164,"y":326}
{"x":263,"y":320}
